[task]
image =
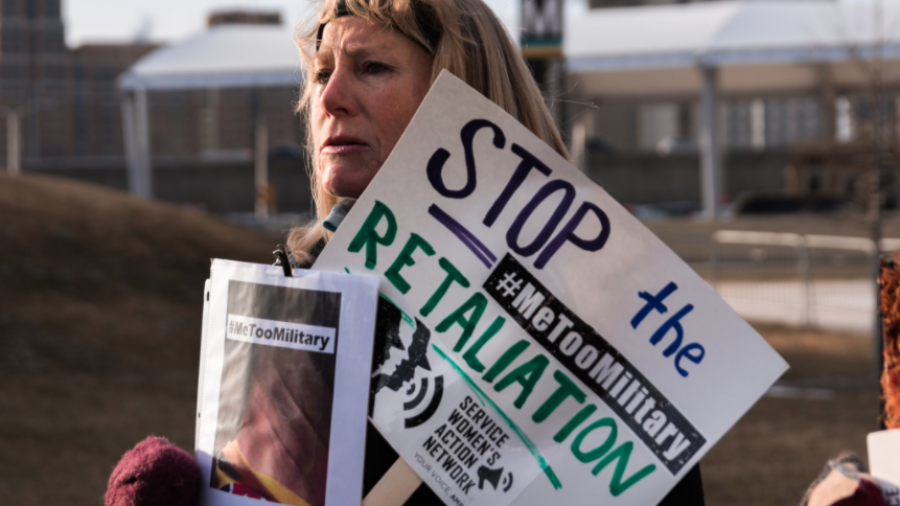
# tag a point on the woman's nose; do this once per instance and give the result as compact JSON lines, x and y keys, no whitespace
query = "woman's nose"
{"x":338,"y":98}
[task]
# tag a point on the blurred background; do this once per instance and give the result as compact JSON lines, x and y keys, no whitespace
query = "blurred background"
{"x":758,"y":139}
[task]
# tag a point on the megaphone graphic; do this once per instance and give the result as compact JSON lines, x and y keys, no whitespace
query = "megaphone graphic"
{"x":491,"y":475}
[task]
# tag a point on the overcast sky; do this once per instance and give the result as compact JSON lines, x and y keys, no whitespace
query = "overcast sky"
{"x":168,"y":20}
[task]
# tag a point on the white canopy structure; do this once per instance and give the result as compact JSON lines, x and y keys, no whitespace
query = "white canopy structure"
{"x":226,"y":56}
{"x":743,"y":47}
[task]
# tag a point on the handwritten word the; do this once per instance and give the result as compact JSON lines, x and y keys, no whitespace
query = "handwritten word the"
{"x":694,"y":352}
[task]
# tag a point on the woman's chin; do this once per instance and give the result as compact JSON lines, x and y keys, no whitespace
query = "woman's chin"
{"x":344,"y":189}
{"x":348,"y":185}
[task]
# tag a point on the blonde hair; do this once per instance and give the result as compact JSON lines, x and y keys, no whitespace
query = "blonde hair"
{"x":472,"y":44}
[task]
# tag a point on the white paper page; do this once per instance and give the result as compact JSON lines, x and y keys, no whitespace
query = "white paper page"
{"x":884,"y":455}
{"x":284,"y":387}
{"x":204,"y":330}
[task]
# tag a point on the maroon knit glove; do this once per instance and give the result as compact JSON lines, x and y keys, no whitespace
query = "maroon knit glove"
{"x":154,"y":473}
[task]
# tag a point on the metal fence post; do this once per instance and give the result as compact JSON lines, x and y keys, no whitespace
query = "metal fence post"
{"x":877,"y":331}
{"x":714,"y":262}
{"x":805,"y":280}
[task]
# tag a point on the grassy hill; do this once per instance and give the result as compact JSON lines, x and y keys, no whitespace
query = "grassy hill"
{"x":100,"y":309}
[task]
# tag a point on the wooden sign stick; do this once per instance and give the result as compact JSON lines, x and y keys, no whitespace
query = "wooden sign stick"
{"x":395,"y":487}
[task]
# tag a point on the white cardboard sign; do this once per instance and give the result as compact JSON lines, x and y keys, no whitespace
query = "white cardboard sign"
{"x":284,"y":375}
{"x":544,"y":346}
{"x":884,"y":455}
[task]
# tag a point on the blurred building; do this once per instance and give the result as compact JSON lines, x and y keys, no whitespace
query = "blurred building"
{"x":65,"y":99}
{"x":239,"y":17}
{"x":210,"y":119}
{"x":773,"y":136}
{"x":96,"y":119}
{"x":211,"y":123}
{"x":202,"y":138}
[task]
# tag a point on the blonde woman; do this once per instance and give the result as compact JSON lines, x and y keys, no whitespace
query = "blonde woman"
{"x":368,"y":65}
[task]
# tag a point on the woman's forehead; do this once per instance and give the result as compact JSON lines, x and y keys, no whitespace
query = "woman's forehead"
{"x":353,"y":35}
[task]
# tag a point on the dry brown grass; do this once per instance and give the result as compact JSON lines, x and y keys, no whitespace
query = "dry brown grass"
{"x":781,"y":444}
{"x":100,"y":303}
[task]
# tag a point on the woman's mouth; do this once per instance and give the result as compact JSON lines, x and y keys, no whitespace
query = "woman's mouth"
{"x":341,"y":144}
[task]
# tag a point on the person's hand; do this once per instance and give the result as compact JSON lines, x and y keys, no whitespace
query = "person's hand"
{"x":154,"y":473}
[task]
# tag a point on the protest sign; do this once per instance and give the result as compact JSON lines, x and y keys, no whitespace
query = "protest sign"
{"x":543,"y":347}
{"x":884,"y":455}
{"x":283,"y":388}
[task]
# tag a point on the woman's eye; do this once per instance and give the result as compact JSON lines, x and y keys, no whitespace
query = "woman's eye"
{"x":322,"y":76}
{"x":375,"y":68}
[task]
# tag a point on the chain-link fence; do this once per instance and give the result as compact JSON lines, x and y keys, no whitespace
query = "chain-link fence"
{"x":805,"y":280}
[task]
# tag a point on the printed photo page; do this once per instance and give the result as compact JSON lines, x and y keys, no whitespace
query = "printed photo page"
{"x":284,"y":385}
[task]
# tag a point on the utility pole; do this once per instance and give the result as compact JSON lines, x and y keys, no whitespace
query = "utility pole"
{"x":710,"y":150}
{"x":876,"y":176}
{"x":541,"y":44}
{"x":264,"y":192}
{"x":14,"y":144}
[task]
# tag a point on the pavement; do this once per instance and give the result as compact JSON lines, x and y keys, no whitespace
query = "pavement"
{"x":841,"y":305}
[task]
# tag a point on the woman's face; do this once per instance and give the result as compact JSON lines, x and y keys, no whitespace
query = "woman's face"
{"x":368,"y":82}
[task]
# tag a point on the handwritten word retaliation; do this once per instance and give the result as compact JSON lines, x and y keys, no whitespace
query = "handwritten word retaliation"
{"x":511,"y":370}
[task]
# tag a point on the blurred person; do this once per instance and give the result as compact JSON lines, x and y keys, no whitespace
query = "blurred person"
{"x":368,"y":66}
{"x":844,"y":481}
{"x":890,"y":320}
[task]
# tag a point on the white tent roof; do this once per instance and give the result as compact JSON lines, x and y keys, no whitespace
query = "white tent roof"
{"x":226,"y":56}
{"x":774,"y":41}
